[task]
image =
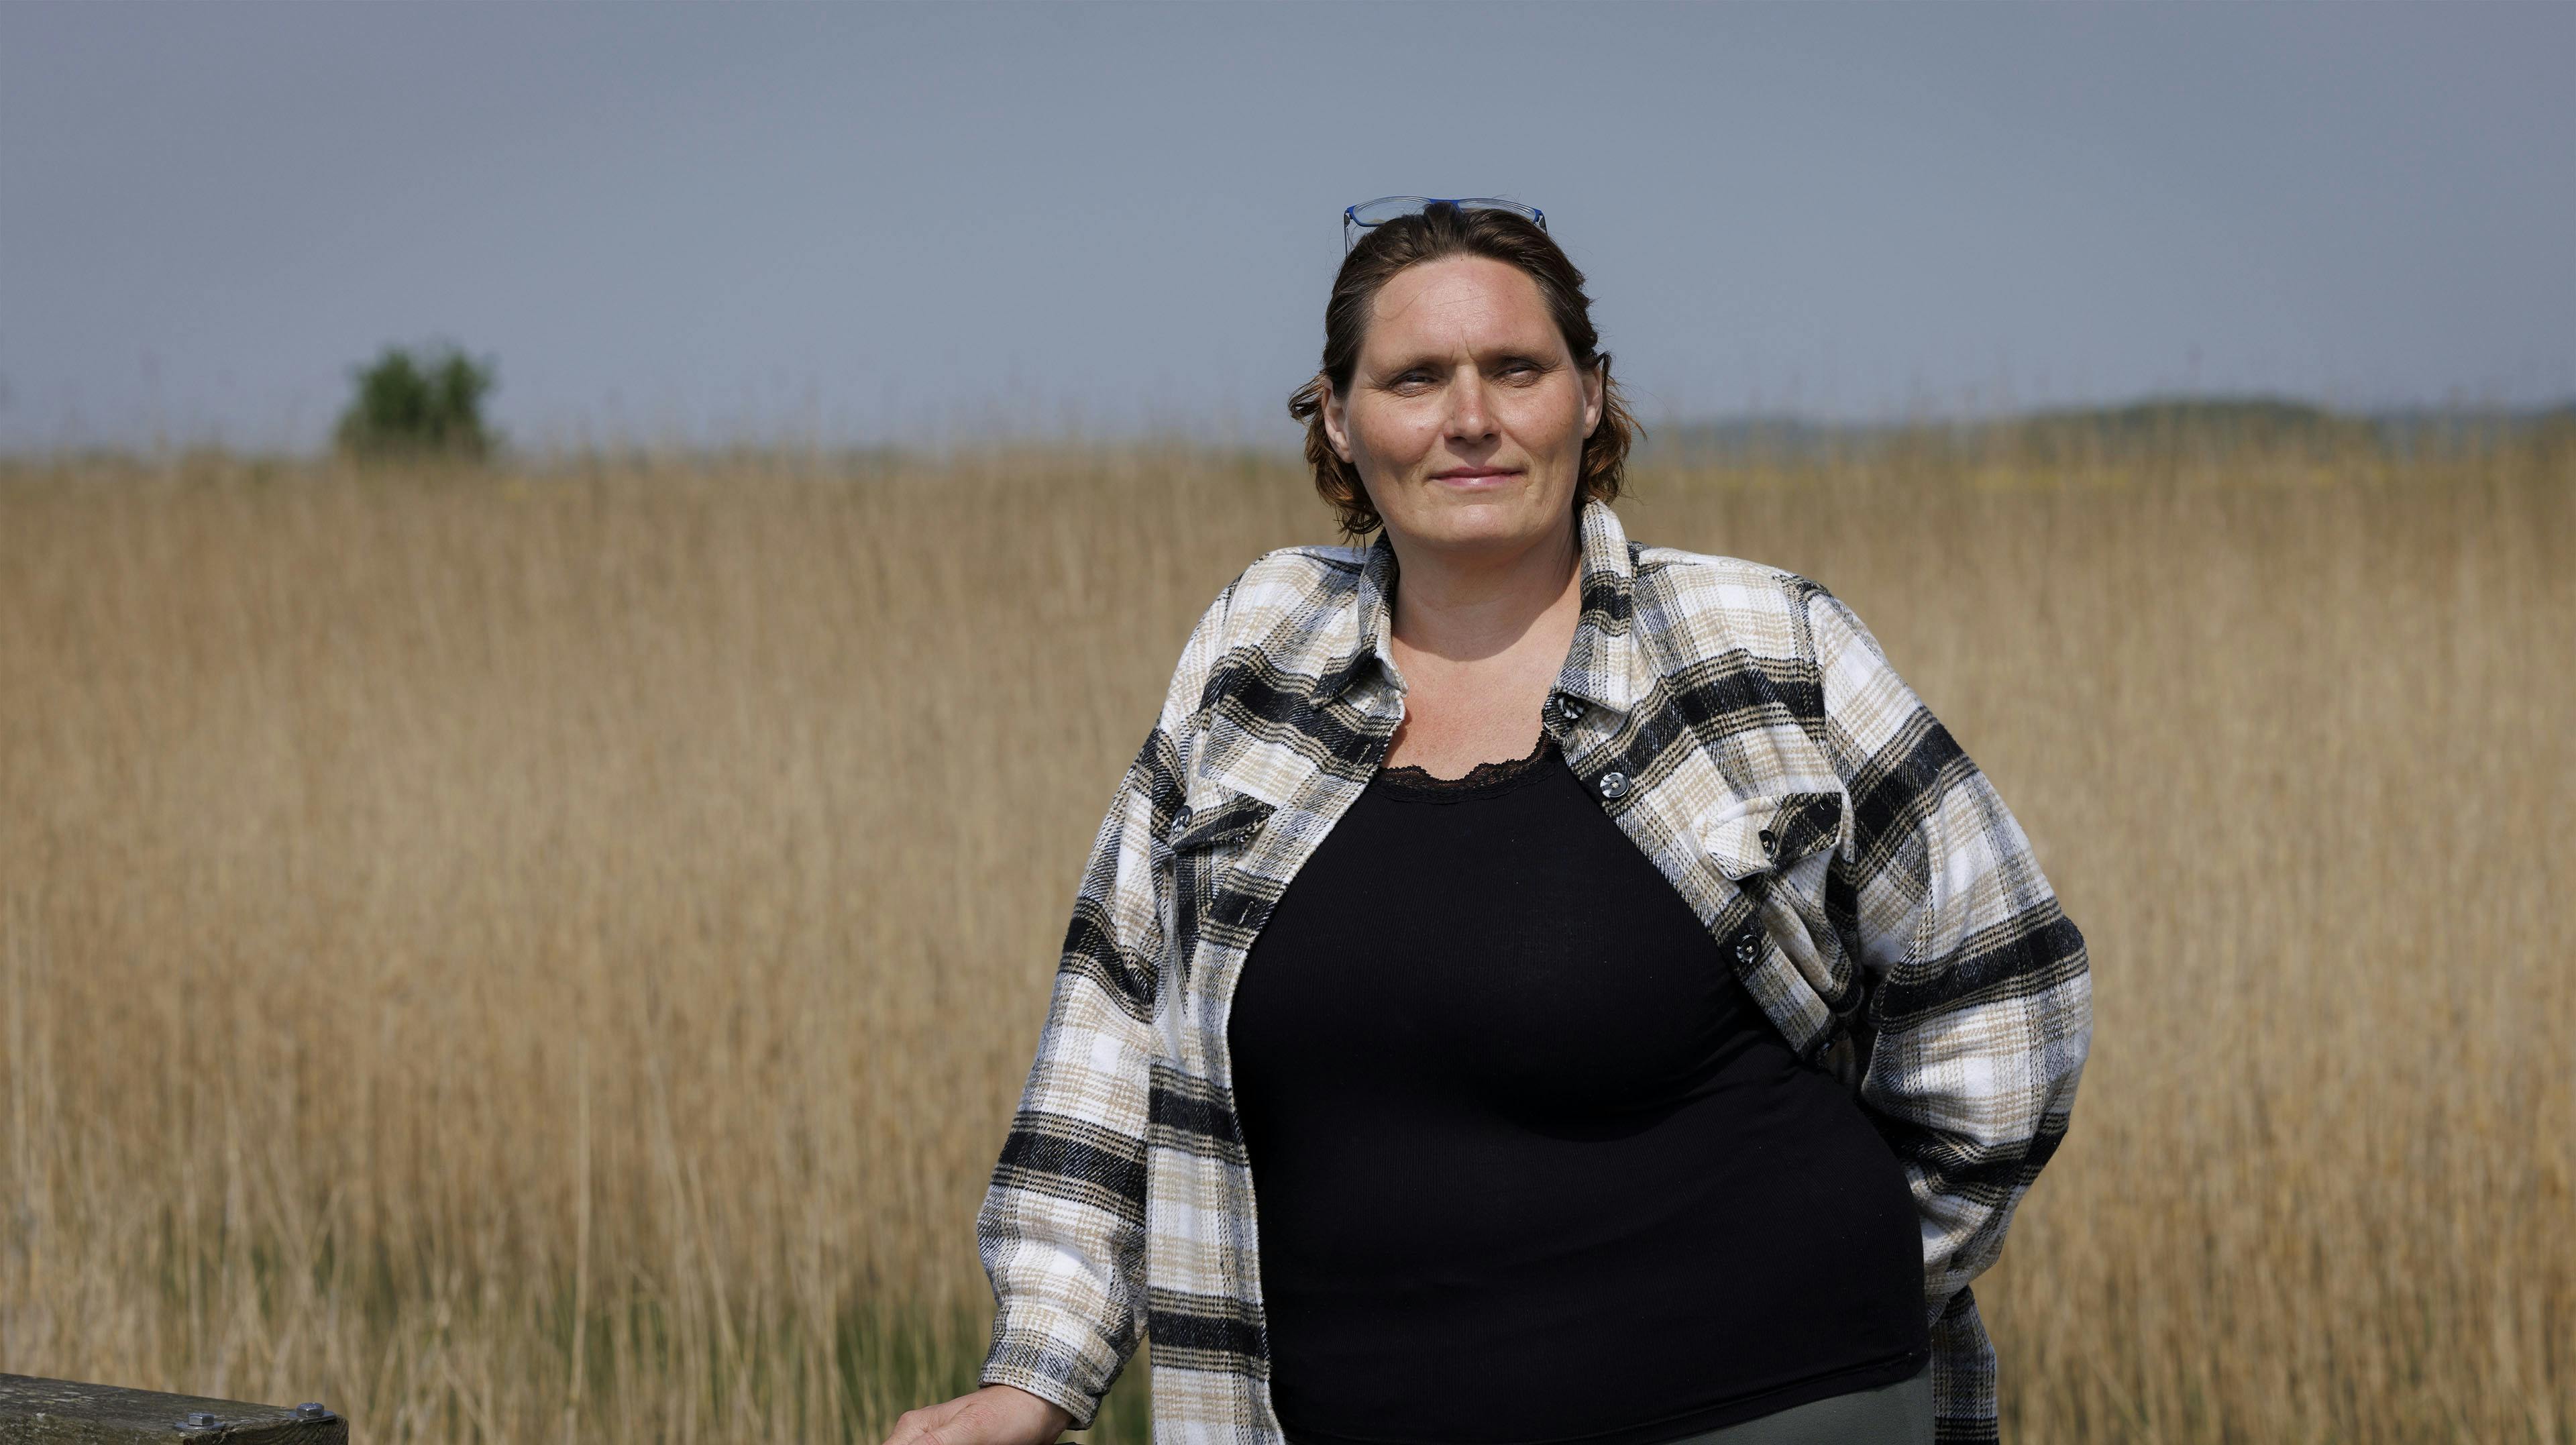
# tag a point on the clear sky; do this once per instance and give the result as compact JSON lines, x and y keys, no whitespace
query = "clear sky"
{"x":914,"y":222}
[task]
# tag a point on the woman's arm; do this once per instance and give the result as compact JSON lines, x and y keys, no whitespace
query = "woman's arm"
{"x":1063,"y":1224}
{"x":1981,"y":996}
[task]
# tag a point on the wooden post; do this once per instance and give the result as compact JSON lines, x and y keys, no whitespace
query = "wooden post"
{"x":62,"y":1412}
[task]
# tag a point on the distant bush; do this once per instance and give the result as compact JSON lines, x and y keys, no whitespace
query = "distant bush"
{"x":428,"y":404}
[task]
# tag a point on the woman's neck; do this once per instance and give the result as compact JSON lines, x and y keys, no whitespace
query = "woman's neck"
{"x":1462,"y":605}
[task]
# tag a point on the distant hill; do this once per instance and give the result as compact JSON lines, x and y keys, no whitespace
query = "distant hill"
{"x":2152,"y":423}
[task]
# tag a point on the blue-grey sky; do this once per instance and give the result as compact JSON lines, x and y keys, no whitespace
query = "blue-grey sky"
{"x":913,"y":222}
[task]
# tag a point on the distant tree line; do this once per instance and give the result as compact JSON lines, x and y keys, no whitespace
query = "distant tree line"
{"x":419,"y":405}
{"x":2155,"y":426}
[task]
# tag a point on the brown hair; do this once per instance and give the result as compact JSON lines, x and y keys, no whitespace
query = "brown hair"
{"x":1437,"y":231}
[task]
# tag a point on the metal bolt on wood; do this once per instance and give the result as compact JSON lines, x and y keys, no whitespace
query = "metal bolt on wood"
{"x":36,"y":1411}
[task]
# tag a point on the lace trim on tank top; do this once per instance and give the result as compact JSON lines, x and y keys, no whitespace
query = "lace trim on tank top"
{"x":1482,"y":780}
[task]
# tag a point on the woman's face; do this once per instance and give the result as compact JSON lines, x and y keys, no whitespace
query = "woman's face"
{"x":1467,"y":414}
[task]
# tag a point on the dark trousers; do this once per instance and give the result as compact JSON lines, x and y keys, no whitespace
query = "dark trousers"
{"x":1898,"y":1414}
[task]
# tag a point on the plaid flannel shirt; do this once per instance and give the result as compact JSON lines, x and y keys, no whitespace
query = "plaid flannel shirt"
{"x":1743,"y":729}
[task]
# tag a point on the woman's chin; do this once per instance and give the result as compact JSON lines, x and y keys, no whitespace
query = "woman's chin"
{"x":1469,"y":521}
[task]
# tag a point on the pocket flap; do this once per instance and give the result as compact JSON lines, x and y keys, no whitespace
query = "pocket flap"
{"x":1221,"y":819}
{"x":1766,"y":834}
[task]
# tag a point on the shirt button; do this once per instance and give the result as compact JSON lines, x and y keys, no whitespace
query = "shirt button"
{"x":1744,"y":948}
{"x":1614,"y":786}
{"x":1770,"y":841}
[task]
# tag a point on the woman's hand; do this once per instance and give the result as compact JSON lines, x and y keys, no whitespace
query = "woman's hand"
{"x":993,"y":1415}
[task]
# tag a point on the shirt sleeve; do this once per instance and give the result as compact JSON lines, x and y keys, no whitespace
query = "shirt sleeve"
{"x":1062,"y":1226}
{"x":1980,"y":994}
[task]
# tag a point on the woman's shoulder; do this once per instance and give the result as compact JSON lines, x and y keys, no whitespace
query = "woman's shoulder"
{"x":1709,"y":569}
{"x":1291,"y":588}
{"x":1295,"y":574}
{"x":1725,"y":601}
{"x":1280,"y":615}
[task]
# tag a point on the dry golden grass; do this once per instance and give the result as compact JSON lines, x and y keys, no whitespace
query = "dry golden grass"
{"x":550,"y":957}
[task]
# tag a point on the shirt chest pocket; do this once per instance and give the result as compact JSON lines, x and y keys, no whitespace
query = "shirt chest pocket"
{"x":1779,"y":849}
{"x":1207,"y":839}
{"x":1773,"y":835}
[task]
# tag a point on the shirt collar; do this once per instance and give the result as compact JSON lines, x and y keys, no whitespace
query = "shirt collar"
{"x":1598,"y":667}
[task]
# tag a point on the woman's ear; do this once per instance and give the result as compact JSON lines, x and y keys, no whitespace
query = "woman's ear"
{"x":1596,"y":378}
{"x":1337,"y":429}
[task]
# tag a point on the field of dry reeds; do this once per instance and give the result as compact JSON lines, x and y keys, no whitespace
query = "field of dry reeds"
{"x":549,"y":954}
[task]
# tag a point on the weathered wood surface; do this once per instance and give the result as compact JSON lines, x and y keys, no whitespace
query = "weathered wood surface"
{"x":61,"y":1412}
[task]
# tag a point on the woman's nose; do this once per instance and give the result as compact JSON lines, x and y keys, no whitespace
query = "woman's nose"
{"x":1468,"y":416}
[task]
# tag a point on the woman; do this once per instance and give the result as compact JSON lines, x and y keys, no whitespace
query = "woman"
{"x":1529,"y":987}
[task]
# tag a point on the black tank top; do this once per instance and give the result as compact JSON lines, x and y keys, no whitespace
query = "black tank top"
{"x":1530,"y":1164}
